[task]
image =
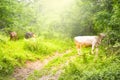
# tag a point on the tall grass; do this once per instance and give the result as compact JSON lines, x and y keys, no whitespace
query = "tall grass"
{"x":47,"y":47}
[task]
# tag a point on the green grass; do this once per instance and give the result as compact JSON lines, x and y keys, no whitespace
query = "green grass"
{"x":103,"y":69}
{"x":58,"y":63}
{"x":74,"y":67}
{"x":13,"y":54}
{"x":16,"y":53}
{"x":46,"y":47}
{"x":83,"y":67}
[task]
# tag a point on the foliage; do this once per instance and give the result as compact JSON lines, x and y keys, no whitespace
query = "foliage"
{"x":105,"y":69}
{"x":16,"y":16}
{"x":80,"y":17}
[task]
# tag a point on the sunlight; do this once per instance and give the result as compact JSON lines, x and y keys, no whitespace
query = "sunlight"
{"x":54,"y":9}
{"x":56,"y":5}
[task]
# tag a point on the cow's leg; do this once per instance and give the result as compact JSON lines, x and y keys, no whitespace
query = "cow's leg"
{"x":78,"y":46}
{"x":92,"y":51}
{"x":96,"y":54}
{"x":79,"y":49}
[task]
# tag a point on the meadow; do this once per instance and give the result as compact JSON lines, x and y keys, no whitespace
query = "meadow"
{"x":67,"y":63}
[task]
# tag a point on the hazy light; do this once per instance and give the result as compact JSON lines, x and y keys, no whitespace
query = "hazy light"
{"x":26,"y":0}
{"x":53,"y":10}
{"x":56,"y":5}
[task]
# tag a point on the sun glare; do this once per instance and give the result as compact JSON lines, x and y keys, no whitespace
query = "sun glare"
{"x":56,"y":5}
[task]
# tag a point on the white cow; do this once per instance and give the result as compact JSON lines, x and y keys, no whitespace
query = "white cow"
{"x":84,"y":41}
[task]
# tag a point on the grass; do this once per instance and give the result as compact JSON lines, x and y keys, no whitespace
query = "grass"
{"x":82,"y":67}
{"x":46,"y":47}
{"x":55,"y":65}
{"x":12,"y":55}
{"x":72,"y":66}
{"x":16,"y":53}
{"x":105,"y":68}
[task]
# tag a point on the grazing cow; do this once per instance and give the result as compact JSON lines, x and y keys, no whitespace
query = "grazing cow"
{"x":13,"y":35}
{"x":29,"y":35}
{"x":84,"y":41}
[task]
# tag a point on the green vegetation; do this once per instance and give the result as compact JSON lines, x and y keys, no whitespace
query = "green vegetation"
{"x":55,"y":24}
{"x":103,"y":69}
{"x":54,"y":66}
{"x":46,"y":47}
{"x":16,"y":53}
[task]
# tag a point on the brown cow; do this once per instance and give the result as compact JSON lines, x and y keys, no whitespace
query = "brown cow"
{"x":13,"y":35}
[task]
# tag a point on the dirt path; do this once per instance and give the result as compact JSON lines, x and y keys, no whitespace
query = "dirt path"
{"x":23,"y":72}
{"x":59,"y":71}
{"x":51,"y":77}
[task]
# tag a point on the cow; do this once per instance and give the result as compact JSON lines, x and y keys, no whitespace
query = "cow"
{"x":13,"y":35}
{"x":29,"y":35}
{"x":85,"y":41}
